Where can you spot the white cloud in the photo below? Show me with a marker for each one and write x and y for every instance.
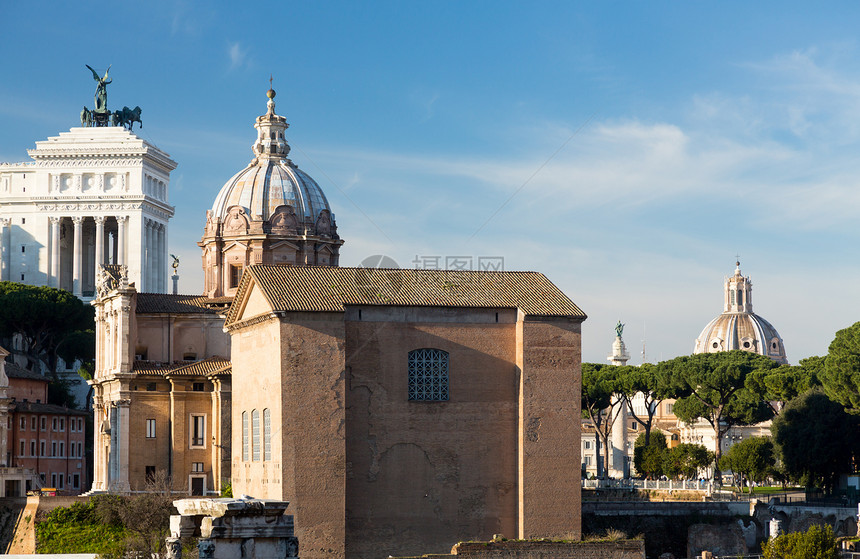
(238, 55)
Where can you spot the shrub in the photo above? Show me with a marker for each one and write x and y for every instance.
(816, 543)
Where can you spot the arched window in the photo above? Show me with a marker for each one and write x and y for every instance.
(267, 434)
(255, 435)
(428, 375)
(245, 436)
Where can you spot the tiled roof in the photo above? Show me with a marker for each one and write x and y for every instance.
(33, 407)
(326, 288)
(14, 371)
(208, 366)
(177, 304)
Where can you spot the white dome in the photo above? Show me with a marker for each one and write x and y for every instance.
(740, 328)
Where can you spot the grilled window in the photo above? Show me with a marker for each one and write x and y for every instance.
(428, 375)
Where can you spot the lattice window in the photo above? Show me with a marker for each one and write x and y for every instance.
(245, 436)
(255, 435)
(428, 375)
(267, 434)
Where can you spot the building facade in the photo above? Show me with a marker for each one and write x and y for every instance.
(161, 389)
(401, 411)
(90, 197)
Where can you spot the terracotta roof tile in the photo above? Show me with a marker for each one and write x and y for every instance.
(208, 366)
(326, 288)
(177, 304)
(34, 407)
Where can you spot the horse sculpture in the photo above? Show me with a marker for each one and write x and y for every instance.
(86, 117)
(127, 117)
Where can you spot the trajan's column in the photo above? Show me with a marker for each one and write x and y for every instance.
(95, 195)
(618, 464)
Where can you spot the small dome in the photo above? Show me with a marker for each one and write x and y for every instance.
(740, 328)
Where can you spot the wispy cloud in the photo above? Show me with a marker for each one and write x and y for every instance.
(238, 55)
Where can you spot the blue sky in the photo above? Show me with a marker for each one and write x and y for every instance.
(628, 150)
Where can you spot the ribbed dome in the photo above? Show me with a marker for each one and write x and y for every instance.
(740, 328)
(266, 184)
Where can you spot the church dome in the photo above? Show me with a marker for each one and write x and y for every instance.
(265, 185)
(270, 212)
(271, 180)
(738, 327)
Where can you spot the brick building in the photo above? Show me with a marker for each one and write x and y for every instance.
(401, 411)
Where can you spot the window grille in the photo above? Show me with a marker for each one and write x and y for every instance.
(428, 375)
(245, 436)
(267, 434)
(150, 428)
(255, 433)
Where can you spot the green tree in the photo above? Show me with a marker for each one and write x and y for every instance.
(816, 440)
(599, 384)
(841, 377)
(816, 543)
(50, 324)
(642, 380)
(713, 387)
(786, 382)
(649, 457)
(685, 460)
(752, 459)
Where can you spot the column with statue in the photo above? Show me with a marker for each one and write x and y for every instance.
(617, 461)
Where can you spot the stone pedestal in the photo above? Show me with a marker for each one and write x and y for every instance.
(231, 528)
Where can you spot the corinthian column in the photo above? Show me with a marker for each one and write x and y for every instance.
(55, 252)
(77, 256)
(5, 233)
(122, 222)
(100, 242)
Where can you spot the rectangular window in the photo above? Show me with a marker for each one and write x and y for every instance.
(42, 449)
(428, 375)
(23, 423)
(235, 275)
(54, 424)
(62, 424)
(62, 449)
(42, 477)
(198, 431)
(255, 435)
(23, 445)
(150, 474)
(588, 460)
(150, 428)
(245, 436)
(71, 450)
(587, 445)
(80, 450)
(33, 423)
(53, 480)
(197, 387)
(267, 434)
(80, 424)
(197, 467)
(76, 480)
(53, 448)
(669, 408)
(32, 448)
(62, 479)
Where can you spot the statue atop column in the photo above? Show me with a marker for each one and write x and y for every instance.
(619, 329)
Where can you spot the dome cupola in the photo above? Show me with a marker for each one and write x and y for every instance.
(738, 327)
(270, 212)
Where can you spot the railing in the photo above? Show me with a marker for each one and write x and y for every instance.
(668, 485)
